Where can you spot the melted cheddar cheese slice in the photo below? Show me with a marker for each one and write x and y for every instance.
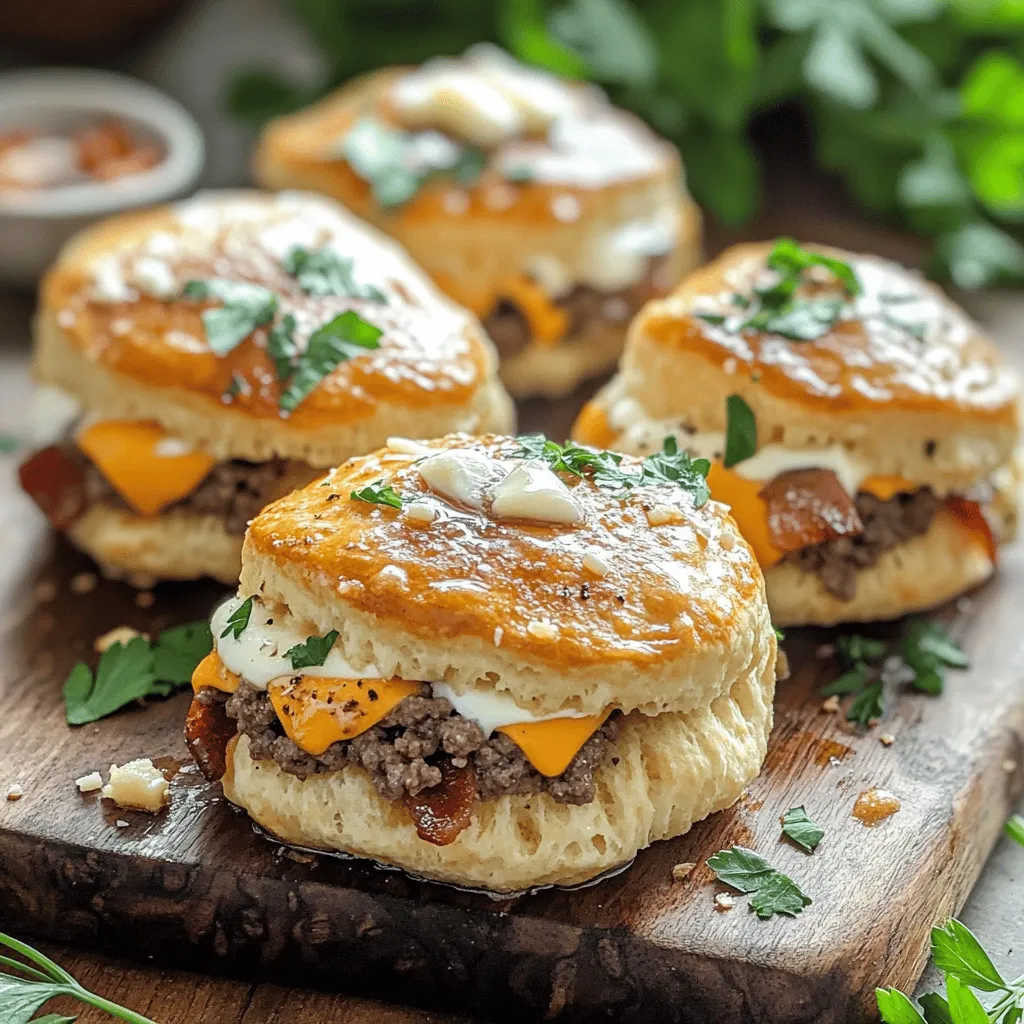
(748, 508)
(886, 487)
(211, 671)
(548, 322)
(551, 745)
(317, 711)
(127, 453)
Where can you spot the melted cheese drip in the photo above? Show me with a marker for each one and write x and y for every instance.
(551, 746)
(130, 455)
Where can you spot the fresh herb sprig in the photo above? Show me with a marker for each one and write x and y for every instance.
(325, 271)
(313, 652)
(1014, 828)
(740, 431)
(35, 979)
(771, 892)
(967, 969)
(131, 671)
(797, 825)
(245, 307)
(238, 620)
(604, 468)
(378, 493)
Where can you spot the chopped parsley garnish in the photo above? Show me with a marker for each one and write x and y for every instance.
(868, 706)
(928, 650)
(854, 648)
(245, 307)
(799, 827)
(1014, 828)
(238, 619)
(8, 443)
(347, 335)
(375, 494)
(130, 671)
(281, 346)
(326, 272)
(852, 680)
(670, 465)
(397, 163)
(771, 892)
(313, 652)
(740, 431)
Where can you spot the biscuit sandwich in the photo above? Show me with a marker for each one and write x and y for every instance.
(861, 427)
(531, 200)
(495, 662)
(202, 359)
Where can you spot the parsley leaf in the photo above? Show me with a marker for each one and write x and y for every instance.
(798, 319)
(246, 307)
(740, 431)
(313, 652)
(928, 649)
(799, 827)
(896, 1008)
(958, 954)
(281, 346)
(671, 465)
(375, 494)
(772, 892)
(851, 681)
(867, 706)
(137, 669)
(854, 647)
(790, 260)
(326, 272)
(347, 335)
(238, 619)
(1014, 828)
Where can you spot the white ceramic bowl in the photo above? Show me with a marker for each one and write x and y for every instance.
(34, 224)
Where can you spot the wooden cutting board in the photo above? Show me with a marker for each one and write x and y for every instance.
(197, 886)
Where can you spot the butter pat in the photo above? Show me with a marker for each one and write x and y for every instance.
(89, 783)
(533, 491)
(462, 474)
(137, 784)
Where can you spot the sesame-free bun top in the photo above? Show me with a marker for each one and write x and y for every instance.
(672, 615)
(905, 380)
(564, 184)
(116, 331)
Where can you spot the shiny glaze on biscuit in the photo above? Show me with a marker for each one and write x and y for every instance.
(864, 363)
(671, 589)
(305, 141)
(429, 355)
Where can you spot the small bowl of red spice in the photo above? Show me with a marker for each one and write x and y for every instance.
(77, 145)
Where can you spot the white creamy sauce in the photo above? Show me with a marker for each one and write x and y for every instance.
(773, 459)
(494, 709)
(258, 655)
(172, 447)
(50, 415)
(533, 491)
(462, 474)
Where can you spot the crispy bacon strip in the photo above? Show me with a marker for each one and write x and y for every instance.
(442, 812)
(207, 732)
(971, 516)
(56, 482)
(808, 506)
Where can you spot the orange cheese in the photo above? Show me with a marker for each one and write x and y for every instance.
(549, 746)
(211, 671)
(748, 509)
(125, 452)
(592, 427)
(548, 322)
(318, 711)
(886, 487)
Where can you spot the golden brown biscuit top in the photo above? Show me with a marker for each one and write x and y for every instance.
(641, 577)
(117, 295)
(901, 343)
(553, 165)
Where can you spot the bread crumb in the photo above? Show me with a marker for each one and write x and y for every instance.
(824, 651)
(781, 665)
(594, 561)
(138, 784)
(1009, 766)
(15, 791)
(724, 901)
(680, 871)
(45, 590)
(727, 540)
(542, 629)
(117, 635)
(498, 634)
(145, 599)
(420, 512)
(121, 823)
(659, 515)
(89, 783)
(831, 705)
(83, 582)
(887, 739)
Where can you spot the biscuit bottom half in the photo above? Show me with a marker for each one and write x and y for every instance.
(663, 774)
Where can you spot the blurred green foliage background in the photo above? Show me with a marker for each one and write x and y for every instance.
(918, 105)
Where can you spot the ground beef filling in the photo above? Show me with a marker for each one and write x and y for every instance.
(234, 491)
(401, 754)
(887, 524)
(510, 331)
